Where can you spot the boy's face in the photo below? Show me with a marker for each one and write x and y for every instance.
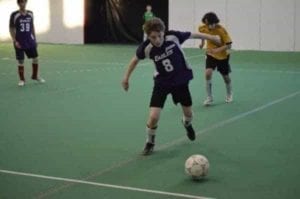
(148, 8)
(156, 38)
(22, 4)
(210, 26)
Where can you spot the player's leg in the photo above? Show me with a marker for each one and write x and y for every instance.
(21, 69)
(224, 69)
(151, 129)
(187, 122)
(157, 102)
(229, 96)
(210, 66)
(21, 72)
(208, 84)
(33, 54)
(182, 95)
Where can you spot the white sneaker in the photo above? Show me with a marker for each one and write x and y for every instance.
(21, 83)
(208, 101)
(40, 80)
(229, 98)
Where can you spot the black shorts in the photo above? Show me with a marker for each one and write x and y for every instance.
(30, 53)
(180, 94)
(222, 65)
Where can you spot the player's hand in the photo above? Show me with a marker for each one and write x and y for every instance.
(125, 84)
(17, 44)
(201, 45)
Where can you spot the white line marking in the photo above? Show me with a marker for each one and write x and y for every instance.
(103, 185)
(175, 142)
(232, 119)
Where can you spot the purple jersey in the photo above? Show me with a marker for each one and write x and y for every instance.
(23, 23)
(170, 64)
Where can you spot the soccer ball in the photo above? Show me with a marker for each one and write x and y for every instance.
(197, 166)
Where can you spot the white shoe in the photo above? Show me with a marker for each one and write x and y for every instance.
(208, 101)
(21, 83)
(40, 80)
(229, 98)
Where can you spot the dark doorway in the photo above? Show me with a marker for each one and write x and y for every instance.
(119, 21)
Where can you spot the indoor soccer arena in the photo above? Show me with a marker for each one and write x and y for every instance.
(149, 99)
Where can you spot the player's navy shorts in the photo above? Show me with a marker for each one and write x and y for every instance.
(180, 94)
(30, 53)
(222, 66)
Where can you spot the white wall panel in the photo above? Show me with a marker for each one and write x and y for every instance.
(58, 32)
(297, 25)
(277, 25)
(243, 19)
(272, 25)
(181, 17)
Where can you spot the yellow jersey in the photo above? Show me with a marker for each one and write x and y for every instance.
(225, 40)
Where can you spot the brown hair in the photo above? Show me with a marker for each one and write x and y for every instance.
(154, 25)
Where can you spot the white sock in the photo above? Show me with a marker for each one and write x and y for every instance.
(151, 134)
(187, 121)
(209, 88)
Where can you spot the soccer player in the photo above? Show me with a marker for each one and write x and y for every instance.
(217, 56)
(172, 74)
(148, 15)
(23, 35)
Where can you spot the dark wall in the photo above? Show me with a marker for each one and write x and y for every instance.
(119, 21)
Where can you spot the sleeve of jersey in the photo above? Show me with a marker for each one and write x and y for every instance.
(11, 21)
(140, 52)
(202, 29)
(182, 36)
(225, 37)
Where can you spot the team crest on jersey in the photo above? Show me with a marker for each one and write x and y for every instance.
(27, 20)
(168, 52)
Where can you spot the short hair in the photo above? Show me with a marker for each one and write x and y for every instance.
(154, 25)
(19, 1)
(210, 18)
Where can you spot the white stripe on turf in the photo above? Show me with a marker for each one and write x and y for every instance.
(103, 185)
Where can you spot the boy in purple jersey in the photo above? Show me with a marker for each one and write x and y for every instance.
(172, 74)
(22, 32)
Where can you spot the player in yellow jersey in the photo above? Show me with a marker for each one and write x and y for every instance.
(217, 56)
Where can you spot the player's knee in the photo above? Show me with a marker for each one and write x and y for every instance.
(153, 120)
(208, 74)
(35, 60)
(21, 62)
(188, 114)
(227, 79)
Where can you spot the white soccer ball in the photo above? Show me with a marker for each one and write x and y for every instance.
(197, 166)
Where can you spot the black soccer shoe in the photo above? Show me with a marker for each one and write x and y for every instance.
(148, 148)
(190, 132)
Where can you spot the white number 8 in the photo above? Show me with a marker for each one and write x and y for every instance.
(168, 66)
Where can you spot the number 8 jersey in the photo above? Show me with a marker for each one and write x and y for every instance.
(171, 66)
(23, 23)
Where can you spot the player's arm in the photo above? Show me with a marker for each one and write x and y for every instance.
(33, 28)
(130, 68)
(220, 49)
(214, 38)
(12, 28)
(201, 45)
(12, 31)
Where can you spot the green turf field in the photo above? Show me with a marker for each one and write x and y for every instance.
(81, 125)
